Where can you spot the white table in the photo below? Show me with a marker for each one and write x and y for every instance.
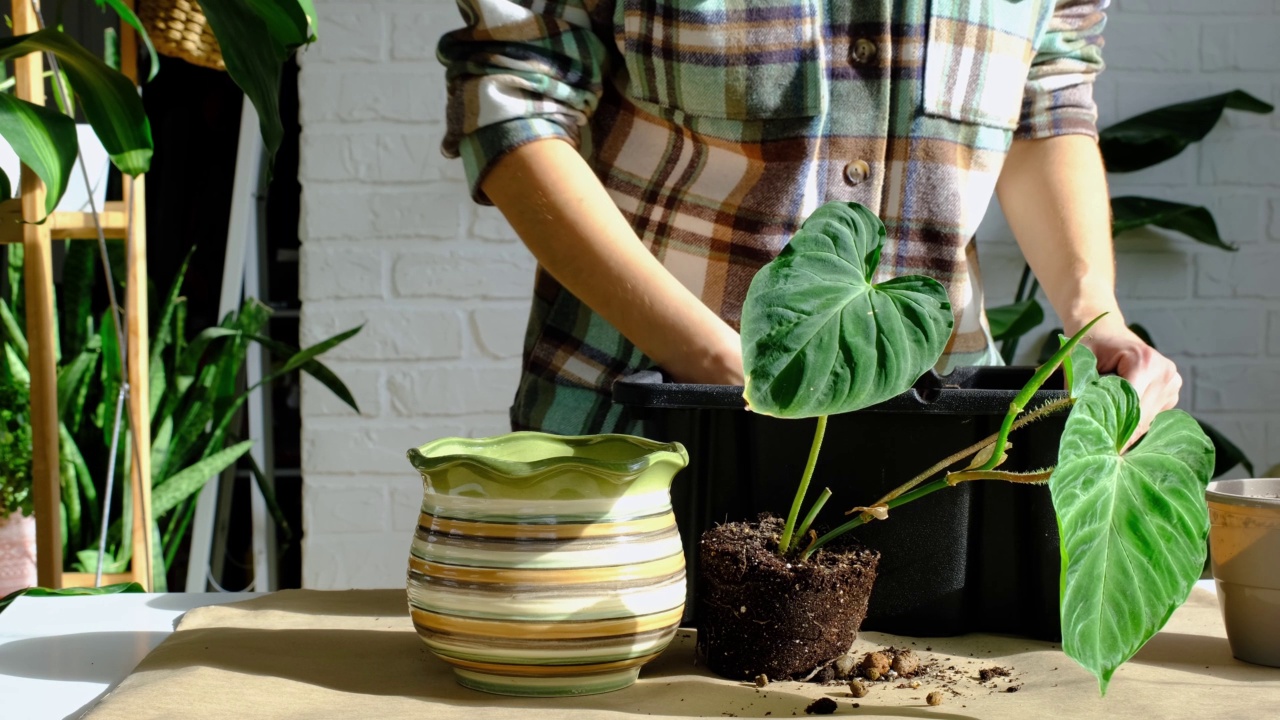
(60, 654)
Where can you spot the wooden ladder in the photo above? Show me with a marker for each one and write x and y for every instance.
(38, 277)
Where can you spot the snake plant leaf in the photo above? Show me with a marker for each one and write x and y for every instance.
(45, 141)
(127, 15)
(130, 587)
(312, 367)
(1014, 320)
(167, 493)
(110, 100)
(818, 337)
(1133, 526)
(257, 37)
(1153, 137)
(1194, 221)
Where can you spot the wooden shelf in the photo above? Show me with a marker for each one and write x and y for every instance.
(66, 225)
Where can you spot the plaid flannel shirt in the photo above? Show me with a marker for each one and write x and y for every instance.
(718, 125)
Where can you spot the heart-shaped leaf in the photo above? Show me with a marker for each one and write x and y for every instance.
(1080, 368)
(818, 338)
(1133, 525)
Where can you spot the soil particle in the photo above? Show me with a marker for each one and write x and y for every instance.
(1013, 688)
(857, 688)
(845, 665)
(821, 706)
(877, 662)
(905, 663)
(825, 675)
(762, 680)
(985, 674)
(934, 698)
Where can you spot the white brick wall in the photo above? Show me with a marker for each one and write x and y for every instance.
(391, 239)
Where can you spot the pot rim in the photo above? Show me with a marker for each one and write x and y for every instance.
(654, 453)
(1214, 492)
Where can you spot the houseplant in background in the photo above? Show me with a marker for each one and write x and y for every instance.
(819, 338)
(17, 527)
(195, 399)
(547, 565)
(1130, 145)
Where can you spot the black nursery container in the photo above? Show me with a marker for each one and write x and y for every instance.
(978, 557)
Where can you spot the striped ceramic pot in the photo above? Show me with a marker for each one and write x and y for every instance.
(547, 565)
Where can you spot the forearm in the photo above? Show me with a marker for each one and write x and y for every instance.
(565, 217)
(1054, 195)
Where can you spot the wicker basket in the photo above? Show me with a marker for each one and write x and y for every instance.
(178, 29)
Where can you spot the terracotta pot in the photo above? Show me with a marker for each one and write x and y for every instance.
(17, 553)
(1244, 541)
(546, 565)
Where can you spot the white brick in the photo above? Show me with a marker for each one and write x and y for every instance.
(438, 211)
(452, 390)
(1238, 387)
(1273, 333)
(500, 330)
(1139, 95)
(372, 448)
(345, 508)
(1242, 45)
(331, 157)
(1239, 218)
(347, 561)
(1148, 43)
(405, 334)
(465, 274)
(1177, 171)
(414, 34)
(347, 273)
(1251, 159)
(1274, 226)
(1246, 432)
(1269, 464)
(1198, 332)
(491, 225)
(365, 384)
(374, 157)
(406, 504)
(1152, 276)
(354, 34)
(409, 95)
(1240, 274)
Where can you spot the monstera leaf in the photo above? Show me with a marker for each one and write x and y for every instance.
(1133, 525)
(819, 338)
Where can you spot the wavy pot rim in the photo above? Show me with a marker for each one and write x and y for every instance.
(1216, 492)
(654, 453)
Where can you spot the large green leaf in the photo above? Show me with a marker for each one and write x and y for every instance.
(166, 494)
(1080, 368)
(110, 100)
(1197, 223)
(131, 587)
(1156, 136)
(257, 37)
(819, 338)
(1133, 525)
(1014, 320)
(45, 141)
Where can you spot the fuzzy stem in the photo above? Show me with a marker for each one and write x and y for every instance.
(813, 512)
(1033, 478)
(1029, 390)
(784, 543)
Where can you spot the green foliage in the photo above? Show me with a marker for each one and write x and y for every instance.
(130, 587)
(44, 139)
(1133, 525)
(1014, 320)
(818, 337)
(1153, 137)
(15, 449)
(1129, 213)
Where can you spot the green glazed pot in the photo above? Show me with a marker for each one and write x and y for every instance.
(547, 565)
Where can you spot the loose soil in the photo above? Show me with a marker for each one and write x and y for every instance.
(761, 613)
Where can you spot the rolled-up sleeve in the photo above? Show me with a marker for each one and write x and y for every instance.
(1058, 99)
(520, 70)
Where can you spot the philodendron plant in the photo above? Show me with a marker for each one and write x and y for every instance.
(820, 338)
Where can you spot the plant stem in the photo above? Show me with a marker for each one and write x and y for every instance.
(1033, 478)
(813, 512)
(1022, 283)
(1029, 390)
(784, 543)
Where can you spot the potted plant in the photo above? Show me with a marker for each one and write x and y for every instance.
(1244, 538)
(17, 527)
(820, 338)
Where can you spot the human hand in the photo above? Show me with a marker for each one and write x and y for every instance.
(1153, 376)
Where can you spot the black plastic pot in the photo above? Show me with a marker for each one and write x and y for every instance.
(978, 557)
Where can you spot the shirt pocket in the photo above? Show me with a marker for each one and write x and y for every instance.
(977, 56)
(733, 59)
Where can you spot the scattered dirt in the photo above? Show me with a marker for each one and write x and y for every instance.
(762, 613)
(905, 663)
(845, 665)
(934, 698)
(821, 706)
(857, 688)
(986, 674)
(762, 680)
(876, 664)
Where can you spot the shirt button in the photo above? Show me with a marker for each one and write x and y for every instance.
(864, 51)
(857, 171)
